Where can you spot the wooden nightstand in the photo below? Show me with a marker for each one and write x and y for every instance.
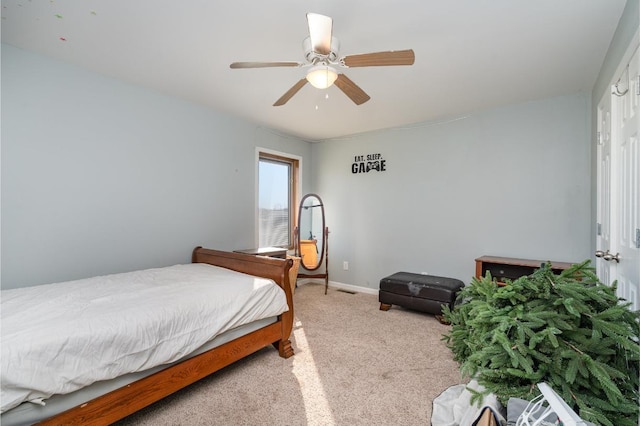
(502, 268)
(265, 251)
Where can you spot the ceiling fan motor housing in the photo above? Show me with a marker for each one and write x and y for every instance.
(314, 57)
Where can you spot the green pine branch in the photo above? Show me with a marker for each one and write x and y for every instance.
(566, 329)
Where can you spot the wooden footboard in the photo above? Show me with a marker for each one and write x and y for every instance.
(127, 400)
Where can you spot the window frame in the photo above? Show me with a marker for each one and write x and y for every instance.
(294, 194)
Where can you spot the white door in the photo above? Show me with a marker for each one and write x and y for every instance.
(603, 226)
(626, 156)
(618, 242)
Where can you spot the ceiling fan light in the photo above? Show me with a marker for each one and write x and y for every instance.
(322, 76)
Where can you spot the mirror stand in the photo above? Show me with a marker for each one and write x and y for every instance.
(312, 248)
(326, 260)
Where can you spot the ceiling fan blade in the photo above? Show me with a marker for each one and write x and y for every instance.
(320, 28)
(393, 57)
(264, 64)
(352, 90)
(283, 100)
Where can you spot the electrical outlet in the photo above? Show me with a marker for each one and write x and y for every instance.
(345, 265)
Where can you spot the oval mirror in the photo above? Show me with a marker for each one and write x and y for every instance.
(311, 238)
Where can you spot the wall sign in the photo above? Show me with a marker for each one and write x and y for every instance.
(364, 164)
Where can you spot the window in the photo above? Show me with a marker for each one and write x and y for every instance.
(277, 199)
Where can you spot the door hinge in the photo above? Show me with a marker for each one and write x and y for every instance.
(637, 238)
(598, 229)
(599, 138)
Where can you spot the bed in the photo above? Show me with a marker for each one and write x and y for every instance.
(196, 346)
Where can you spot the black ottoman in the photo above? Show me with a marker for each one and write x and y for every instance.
(425, 293)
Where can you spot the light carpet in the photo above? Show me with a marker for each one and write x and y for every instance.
(353, 365)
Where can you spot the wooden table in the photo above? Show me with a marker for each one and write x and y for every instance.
(511, 268)
(278, 252)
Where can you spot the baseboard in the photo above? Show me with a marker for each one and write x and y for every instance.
(340, 286)
(354, 288)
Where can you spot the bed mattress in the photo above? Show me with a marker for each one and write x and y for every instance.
(59, 338)
(27, 414)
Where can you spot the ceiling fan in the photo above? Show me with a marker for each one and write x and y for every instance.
(321, 53)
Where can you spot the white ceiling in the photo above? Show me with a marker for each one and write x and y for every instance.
(470, 54)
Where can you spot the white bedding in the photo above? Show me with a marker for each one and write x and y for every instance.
(58, 338)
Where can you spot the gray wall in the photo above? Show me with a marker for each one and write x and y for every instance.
(623, 37)
(99, 176)
(517, 181)
(511, 181)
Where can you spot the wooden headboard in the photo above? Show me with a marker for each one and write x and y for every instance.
(261, 266)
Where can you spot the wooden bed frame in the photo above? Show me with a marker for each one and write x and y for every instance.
(127, 400)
